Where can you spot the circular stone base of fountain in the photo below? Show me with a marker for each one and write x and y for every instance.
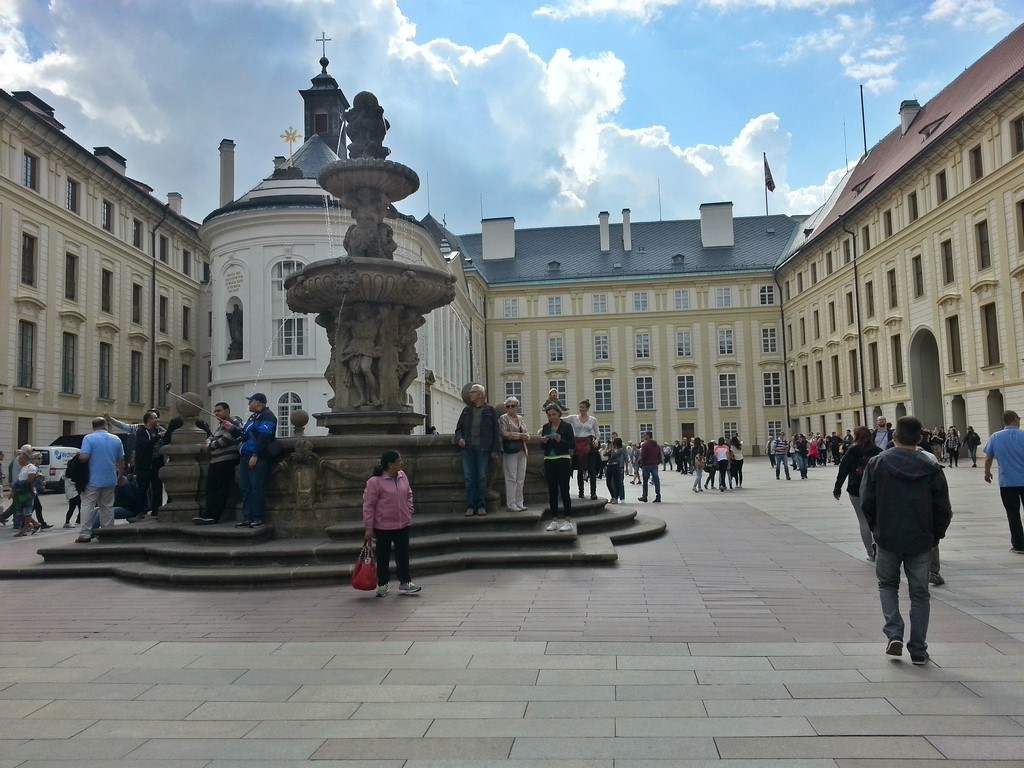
(369, 422)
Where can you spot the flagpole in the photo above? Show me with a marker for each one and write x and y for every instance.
(766, 201)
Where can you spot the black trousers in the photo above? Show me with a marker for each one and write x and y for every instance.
(557, 472)
(220, 482)
(587, 465)
(151, 490)
(385, 540)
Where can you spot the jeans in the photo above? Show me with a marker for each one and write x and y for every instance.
(475, 463)
(698, 474)
(616, 485)
(557, 472)
(120, 513)
(385, 540)
(254, 489)
(1012, 498)
(220, 479)
(801, 464)
(651, 473)
(972, 451)
(780, 461)
(887, 569)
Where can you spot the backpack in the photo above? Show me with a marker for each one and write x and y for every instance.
(77, 472)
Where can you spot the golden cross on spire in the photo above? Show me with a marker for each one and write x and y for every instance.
(290, 136)
(324, 39)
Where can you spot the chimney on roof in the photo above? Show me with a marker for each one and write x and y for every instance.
(227, 171)
(908, 111)
(716, 225)
(602, 221)
(174, 200)
(627, 232)
(111, 159)
(498, 237)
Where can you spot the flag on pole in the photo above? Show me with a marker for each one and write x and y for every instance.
(769, 182)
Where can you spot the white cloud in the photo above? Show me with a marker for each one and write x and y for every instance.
(963, 14)
(818, 6)
(815, 42)
(643, 10)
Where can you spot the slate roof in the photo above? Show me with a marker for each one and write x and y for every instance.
(953, 104)
(760, 242)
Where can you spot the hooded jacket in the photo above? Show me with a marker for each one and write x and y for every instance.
(905, 501)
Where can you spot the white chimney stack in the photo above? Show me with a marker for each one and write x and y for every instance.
(227, 172)
(908, 111)
(716, 225)
(627, 232)
(498, 238)
(174, 200)
(602, 220)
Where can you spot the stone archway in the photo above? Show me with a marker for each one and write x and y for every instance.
(926, 379)
(994, 407)
(958, 408)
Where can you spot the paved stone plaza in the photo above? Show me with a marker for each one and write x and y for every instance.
(750, 635)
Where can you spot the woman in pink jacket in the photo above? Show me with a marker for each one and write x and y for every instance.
(387, 516)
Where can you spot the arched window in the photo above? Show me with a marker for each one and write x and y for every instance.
(289, 328)
(287, 404)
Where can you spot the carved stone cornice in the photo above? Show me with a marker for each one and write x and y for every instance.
(984, 286)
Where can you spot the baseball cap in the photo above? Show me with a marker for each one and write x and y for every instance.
(259, 397)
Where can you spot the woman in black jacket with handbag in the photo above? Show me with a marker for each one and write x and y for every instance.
(851, 470)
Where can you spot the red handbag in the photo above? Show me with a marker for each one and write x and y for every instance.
(364, 573)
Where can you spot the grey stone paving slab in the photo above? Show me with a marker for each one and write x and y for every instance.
(225, 749)
(115, 710)
(702, 692)
(471, 648)
(763, 649)
(123, 763)
(266, 710)
(71, 749)
(533, 693)
(28, 674)
(447, 710)
(63, 648)
(860, 763)
(616, 649)
(523, 661)
(150, 676)
(715, 676)
(980, 747)
(411, 749)
(461, 677)
(300, 764)
(906, 671)
(420, 661)
(104, 660)
(874, 690)
(40, 729)
(1008, 706)
(615, 677)
(693, 662)
(787, 763)
(303, 676)
(104, 691)
(271, 661)
(890, 747)
(801, 707)
(13, 708)
(517, 727)
(200, 693)
(235, 650)
(373, 693)
(922, 725)
(713, 726)
(168, 729)
(599, 709)
(341, 729)
(618, 747)
(390, 648)
(605, 763)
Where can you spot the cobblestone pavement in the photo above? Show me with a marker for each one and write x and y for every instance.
(750, 635)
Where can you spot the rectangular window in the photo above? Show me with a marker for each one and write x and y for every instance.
(831, 317)
(814, 273)
(865, 238)
(556, 352)
(897, 359)
(836, 387)
(137, 233)
(70, 277)
(164, 309)
(514, 389)
(941, 187)
(291, 337)
(805, 374)
(165, 249)
(792, 387)
(644, 429)
(918, 270)
(26, 353)
(1017, 135)
(681, 300)
(873, 372)
(106, 291)
(72, 195)
(789, 293)
(136, 303)
(847, 252)
(107, 215)
(554, 306)
(956, 360)
(641, 301)
(601, 346)
(803, 332)
(849, 308)
(162, 372)
(766, 295)
(799, 282)
(869, 298)
(644, 393)
(511, 351)
(186, 325)
(772, 384)
(559, 386)
(981, 242)
(769, 342)
(686, 391)
(68, 362)
(186, 378)
(604, 433)
(684, 344)
(948, 271)
(643, 346)
(819, 374)
(817, 324)
(30, 172)
(135, 380)
(602, 395)
(599, 303)
(977, 167)
(186, 263)
(510, 308)
(725, 342)
(729, 428)
(887, 223)
(912, 210)
(723, 298)
(28, 260)
(828, 262)
(990, 333)
(894, 298)
(106, 360)
(728, 393)
(854, 373)
(774, 428)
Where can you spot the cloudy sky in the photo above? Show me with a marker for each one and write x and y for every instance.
(546, 110)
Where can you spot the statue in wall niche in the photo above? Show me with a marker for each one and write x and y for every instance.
(361, 350)
(235, 333)
(366, 127)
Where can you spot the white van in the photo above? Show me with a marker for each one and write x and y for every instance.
(53, 463)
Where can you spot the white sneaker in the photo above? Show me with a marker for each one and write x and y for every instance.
(522, 507)
(382, 591)
(565, 527)
(511, 509)
(408, 588)
(552, 526)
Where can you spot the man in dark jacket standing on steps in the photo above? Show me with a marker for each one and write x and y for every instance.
(906, 502)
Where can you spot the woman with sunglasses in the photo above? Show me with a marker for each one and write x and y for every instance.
(514, 437)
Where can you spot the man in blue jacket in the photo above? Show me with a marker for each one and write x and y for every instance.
(905, 500)
(254, 461)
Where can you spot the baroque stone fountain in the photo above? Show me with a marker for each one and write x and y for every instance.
(370, 305)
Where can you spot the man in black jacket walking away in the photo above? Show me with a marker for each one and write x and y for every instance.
(905, 499)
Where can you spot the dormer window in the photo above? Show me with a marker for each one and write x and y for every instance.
(320, 123)
(554, 266)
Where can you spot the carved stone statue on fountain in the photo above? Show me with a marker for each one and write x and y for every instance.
(370, 305)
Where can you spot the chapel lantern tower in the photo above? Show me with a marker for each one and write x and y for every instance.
(324, 107)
